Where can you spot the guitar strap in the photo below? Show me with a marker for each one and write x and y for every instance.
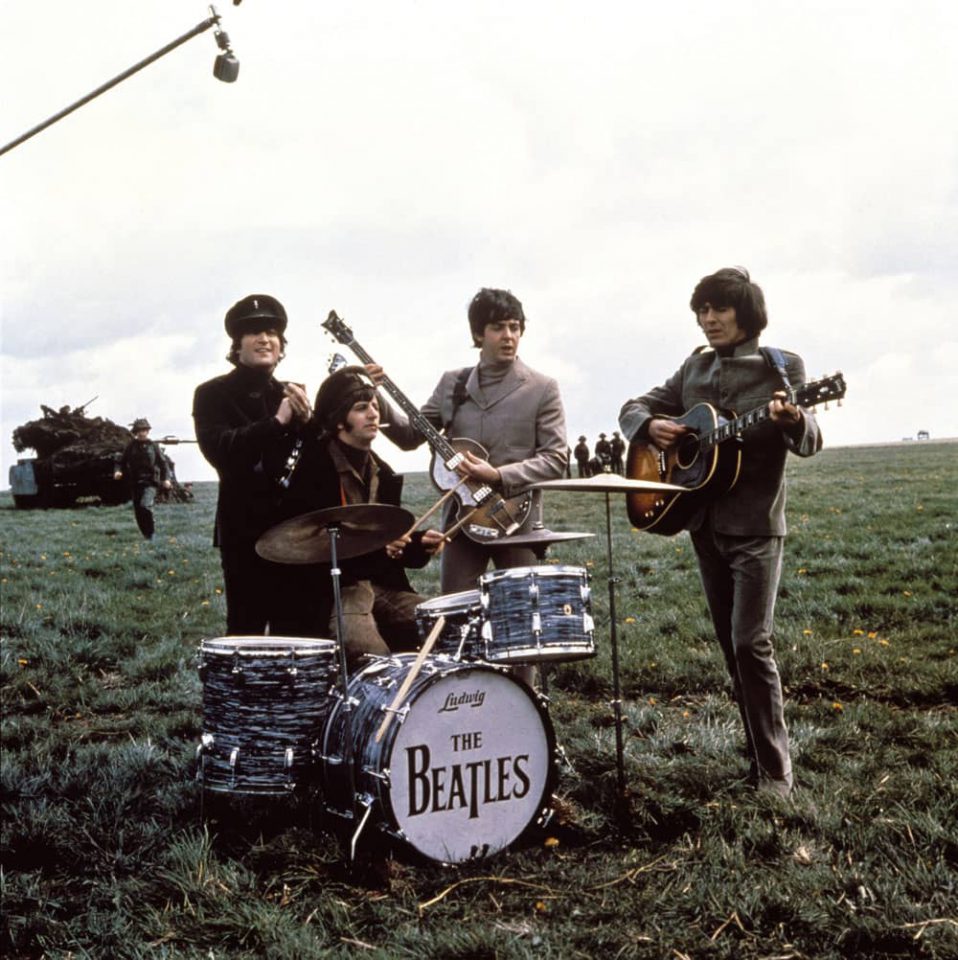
(776, 360)
(459, 395)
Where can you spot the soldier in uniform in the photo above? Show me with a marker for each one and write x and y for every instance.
(582, 457)
(603, 453)
(617, 445)
(143, 465)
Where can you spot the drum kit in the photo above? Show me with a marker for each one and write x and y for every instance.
(446, 751)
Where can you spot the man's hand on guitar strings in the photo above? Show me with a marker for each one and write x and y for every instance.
(477, 469)
(665, 433)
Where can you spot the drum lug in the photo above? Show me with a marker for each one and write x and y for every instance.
(588, 624)
(381, 775)
(234, 760)
(536, 623)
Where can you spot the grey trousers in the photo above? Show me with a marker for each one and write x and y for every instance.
(741, 576)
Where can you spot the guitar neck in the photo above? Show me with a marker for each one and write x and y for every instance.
(732, 428)
(433, 437)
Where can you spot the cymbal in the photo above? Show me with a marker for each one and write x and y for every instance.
(363, 527)
(606, 483)
(540, 537)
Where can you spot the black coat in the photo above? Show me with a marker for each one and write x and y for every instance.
(239, 435)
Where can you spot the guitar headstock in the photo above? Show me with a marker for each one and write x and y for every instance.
(821, 391)
(338, 328)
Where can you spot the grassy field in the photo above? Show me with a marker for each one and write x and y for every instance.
(109, 849)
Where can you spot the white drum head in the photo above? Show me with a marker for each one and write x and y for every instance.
(470, 767)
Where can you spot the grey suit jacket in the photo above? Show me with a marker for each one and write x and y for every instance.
(520, 421)
(755, 506)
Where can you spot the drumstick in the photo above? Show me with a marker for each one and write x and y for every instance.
(434, 507)
(413, 673)
(455, 528)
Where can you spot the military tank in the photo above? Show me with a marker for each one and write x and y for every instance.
(76, 457)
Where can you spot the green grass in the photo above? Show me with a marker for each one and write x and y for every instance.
(109, 849)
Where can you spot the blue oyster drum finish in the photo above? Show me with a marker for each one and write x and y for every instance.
(465, 765)
(460, 637)
(537, 614)
(265, 700)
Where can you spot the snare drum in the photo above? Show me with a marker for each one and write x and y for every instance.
(460, 636)
(465, 765)
(537, 614)
(264, 703)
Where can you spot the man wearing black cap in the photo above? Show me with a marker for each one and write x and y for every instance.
(144, 467)
(337, 467)
(246, 423)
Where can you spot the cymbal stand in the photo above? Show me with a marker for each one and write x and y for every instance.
(614, 637)
(335, 573)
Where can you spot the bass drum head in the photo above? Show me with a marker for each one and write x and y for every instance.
(464, 767)
(471, 766)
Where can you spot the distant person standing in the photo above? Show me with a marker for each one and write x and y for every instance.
(603, 453)
(582, 457)
(247, 423)
(617, 447)
(143, 465)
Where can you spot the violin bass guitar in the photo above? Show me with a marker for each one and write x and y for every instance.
(484, 514)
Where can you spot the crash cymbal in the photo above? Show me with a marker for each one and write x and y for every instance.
(605, 483)
(538, 537)
(363, 527)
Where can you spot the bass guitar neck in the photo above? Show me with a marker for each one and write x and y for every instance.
(490, 515)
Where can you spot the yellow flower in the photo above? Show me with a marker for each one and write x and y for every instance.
(630, 619)
(802, 571)
(857, 651)
(205, 603)
(837, 707)
(906, 593)
(858, 633)
(824, 665)
(807, 633)
(541, 907)
(872, 634)
(883, 643)
(171, 573)
(652, 701)
(218, 590)
(551, 842)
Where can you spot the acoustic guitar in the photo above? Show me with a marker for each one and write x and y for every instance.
(492, 516)
(706, 460)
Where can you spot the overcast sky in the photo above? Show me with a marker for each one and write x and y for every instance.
(388, 159)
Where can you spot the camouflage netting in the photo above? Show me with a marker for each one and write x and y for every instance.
(65, 428)
(74, 447)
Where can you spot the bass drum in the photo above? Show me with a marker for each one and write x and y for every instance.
(465, 765)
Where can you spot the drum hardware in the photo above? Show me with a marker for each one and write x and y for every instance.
(410, 677)
(460, 637)
(607, 483)
(539, 539)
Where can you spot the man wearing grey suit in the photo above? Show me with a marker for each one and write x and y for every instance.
(738, 538)
(513, 411)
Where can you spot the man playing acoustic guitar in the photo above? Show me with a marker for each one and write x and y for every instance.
(513, 411)
(738, 536)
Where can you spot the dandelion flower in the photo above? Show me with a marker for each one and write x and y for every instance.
(551, 842)
(807, 633)
(824, 665)
(858, 633)
(857, 651)
(837, 707)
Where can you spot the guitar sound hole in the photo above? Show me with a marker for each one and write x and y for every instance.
(688, 451)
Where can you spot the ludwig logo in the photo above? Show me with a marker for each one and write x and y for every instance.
(456, 700)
